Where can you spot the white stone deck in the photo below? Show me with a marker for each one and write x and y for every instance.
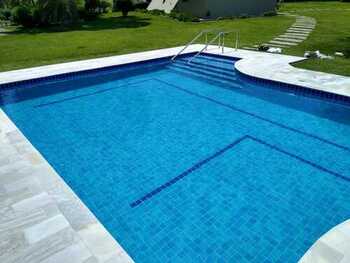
(42, 220)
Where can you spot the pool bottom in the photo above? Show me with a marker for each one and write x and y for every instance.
(266, 198)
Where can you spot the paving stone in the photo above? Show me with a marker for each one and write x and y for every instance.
(45, 229)
(283, 43)
(288, 39)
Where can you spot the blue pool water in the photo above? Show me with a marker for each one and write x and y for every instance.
(193, 163)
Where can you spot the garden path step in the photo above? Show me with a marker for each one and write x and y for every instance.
(297, 33)
(283, 43)
(289, 39)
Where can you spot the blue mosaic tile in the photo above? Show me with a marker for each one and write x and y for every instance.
(220, 170)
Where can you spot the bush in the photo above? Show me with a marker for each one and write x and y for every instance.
(125, 6)
(54, 12)
(184, 17)
(94, 8)
(104, 6)
(270, 13)
(22, 15)
(347, 53)
(156, 12)
(263, 48)
(5, 14)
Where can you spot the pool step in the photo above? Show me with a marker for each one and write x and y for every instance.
(212, 60)
(211, 67)
(230, 82)
(206, 72)
(214, 81)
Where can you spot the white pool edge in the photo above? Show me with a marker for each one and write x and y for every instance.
(36, 198)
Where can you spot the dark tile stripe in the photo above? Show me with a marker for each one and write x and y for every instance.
(222, 151)
(256, 116)
(321, 168)
(186, 173)
(90, 94)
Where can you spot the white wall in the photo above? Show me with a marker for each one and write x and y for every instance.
(222, 8)
(197, 8)
(166, 5)
(217, 8)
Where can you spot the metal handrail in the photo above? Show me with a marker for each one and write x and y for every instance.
(194, 40)
(229, 32)
(218, 36)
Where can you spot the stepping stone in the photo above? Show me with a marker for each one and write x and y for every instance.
(298, 31)
(283, 43)
(303, 27)
(297, 34)
(289, 39)
(275, 45)
(293, 36)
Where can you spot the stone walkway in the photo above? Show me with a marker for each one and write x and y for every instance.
(294, 35)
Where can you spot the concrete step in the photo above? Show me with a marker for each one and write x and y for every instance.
(302, 38)
(298, 31)
(283, 43)
(288, 40)
(303, 27)
(300, 35)
(275, 45)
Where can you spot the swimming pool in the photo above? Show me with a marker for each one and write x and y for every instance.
(193, 163)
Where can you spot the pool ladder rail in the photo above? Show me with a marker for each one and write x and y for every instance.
(219, 36)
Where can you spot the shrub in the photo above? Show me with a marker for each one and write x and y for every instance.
(57, 11)
(124, 6)
(22, 15)
(347, 53)
(184, 17)
(5, 14)
(270, 13)
(156, 12)
(93, 8)
(263, 48)
(104, 6)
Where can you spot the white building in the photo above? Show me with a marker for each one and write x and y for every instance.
(215, 8)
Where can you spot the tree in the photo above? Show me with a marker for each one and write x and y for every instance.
(57, 11)
(123, 5)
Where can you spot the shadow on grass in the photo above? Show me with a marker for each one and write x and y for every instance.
(102, 23)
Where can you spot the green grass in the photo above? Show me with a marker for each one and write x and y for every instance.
(332, 34)
(113, 35)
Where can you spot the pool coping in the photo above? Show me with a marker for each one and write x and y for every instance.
(270, 67)
(39, 208)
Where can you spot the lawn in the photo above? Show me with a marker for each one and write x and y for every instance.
(332, 34)
(113, 35)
